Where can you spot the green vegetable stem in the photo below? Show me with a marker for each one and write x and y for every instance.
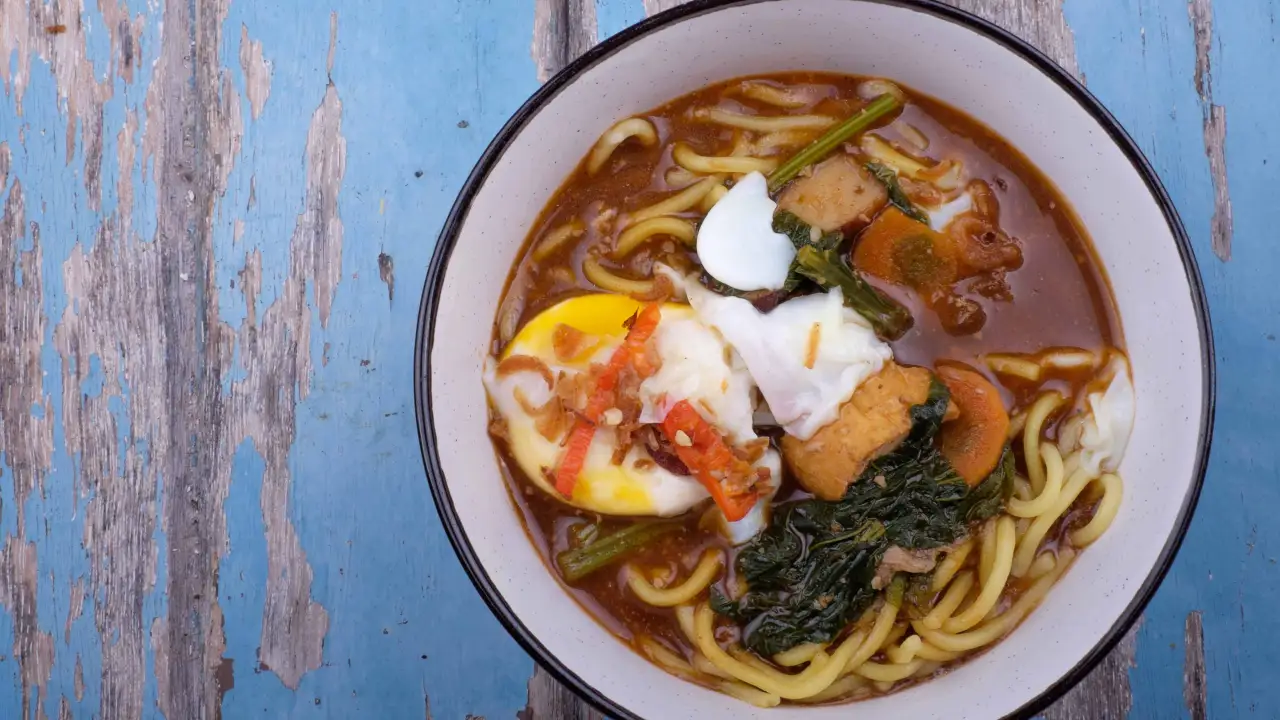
(825, 267)
(577, 563)
(831, 139)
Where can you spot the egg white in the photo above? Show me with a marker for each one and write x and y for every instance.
(697, 366)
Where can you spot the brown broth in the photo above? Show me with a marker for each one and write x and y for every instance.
(1060, 298)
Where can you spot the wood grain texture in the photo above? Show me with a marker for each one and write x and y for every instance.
(1193, 673)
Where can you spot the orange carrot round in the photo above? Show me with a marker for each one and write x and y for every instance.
(974, 441)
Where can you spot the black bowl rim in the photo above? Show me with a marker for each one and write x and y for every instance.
(493, 153)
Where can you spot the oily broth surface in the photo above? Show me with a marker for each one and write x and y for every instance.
(1061, 298)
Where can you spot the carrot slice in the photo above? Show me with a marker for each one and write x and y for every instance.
(974, 441)
(903, 251)
(584, 430)
(710, 459)
(575, 455)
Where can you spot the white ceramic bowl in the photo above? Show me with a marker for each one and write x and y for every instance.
(961, 60)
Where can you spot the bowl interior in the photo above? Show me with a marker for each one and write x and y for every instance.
(956, 64)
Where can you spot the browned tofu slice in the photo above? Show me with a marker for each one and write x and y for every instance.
(871, 423)
(838, 192)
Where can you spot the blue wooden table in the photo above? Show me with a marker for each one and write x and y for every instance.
(216, 222)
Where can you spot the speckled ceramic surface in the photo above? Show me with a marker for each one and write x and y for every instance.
(960, 62)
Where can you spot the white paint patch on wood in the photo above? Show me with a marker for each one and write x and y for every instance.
(1221, 228)
(562, 30)
(26, 437)
(1039, 22)
(257, 72)
(549, 700)
(277, 359)
(32, 646)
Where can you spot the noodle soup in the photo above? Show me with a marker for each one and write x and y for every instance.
(809, 387)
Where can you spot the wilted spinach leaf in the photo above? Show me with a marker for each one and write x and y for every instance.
(989, 496)
(809, 574)
(897, 197)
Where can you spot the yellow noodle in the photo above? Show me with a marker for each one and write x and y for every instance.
(1048, 493)
(1044, 563)
(764, 123)
(876, 638)
(711, 198)
(882, 687)
(677, 203)
(706, 667)
(1017, 422)
(912, 135)
(1069, 359)
(882, 151)
(685, 617)
(951, 565)
(769, 143)
(896, 632)
(555, 239)
(638, 128)
(658, 653)
(987, 553)
(905, 651)
(994, 584)
(882, 672)
(822, 671)
(678, 178)
(1022, 488)
(947, 175)
(748, 694)
(1112, 493)
(799, 654)
(875, 87)
(844, 686)
(784, 97)
(1026, 552)
(1014, 365)
(933, 653)
(690, 160)
(1040, 410)
(993, 630)
(951, 599)
(1023, 525)
(746, 657)
(631, 238)
(702, 575)
(606, 280)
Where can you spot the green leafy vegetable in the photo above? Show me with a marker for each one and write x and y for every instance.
(577, 563)
(809, 574)
(831, 139)
(802, 235)
(825, 267)
(917, 600)
(989, 496)
(897, 197)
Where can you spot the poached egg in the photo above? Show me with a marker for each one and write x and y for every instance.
(808, 355)
(736, 241)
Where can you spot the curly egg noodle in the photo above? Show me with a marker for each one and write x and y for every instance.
(605, 236)
(966, 614)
